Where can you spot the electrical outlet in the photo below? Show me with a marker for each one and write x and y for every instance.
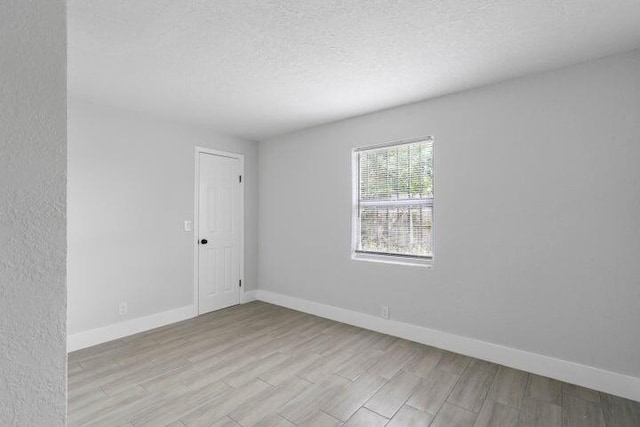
(122, 308)
(188, 225)
(384, 312)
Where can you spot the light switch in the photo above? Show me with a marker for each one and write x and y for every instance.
(188, 225)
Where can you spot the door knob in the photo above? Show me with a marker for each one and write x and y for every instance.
(204, 241)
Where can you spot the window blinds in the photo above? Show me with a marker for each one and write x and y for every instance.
(395, 199)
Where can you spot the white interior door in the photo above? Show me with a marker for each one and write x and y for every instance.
(219, 223)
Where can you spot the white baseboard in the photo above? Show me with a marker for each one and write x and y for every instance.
(248, 296)
(107, 333)
(574, 373)
(96, 336)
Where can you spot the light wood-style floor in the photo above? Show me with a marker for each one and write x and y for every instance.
(259, 364)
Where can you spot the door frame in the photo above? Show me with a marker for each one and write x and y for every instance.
(196, 222)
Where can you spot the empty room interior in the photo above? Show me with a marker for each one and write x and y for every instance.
(320, 213)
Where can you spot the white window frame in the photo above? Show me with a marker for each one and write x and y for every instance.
(355, 224)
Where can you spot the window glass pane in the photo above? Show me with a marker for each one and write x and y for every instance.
(403, 230)
(395, 199)
(399, 172)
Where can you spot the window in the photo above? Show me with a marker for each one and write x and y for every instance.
(393, 202)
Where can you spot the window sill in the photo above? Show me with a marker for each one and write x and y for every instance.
(390, 259)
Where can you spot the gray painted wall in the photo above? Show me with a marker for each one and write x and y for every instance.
(32, 213)
(537, 215)
(130, 189)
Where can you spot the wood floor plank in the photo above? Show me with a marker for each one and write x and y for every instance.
(492, 368)
(366, 418)
(320, 419)
(73, 368)
(383, 343)
(314, 397)
(92, 380)
(317, 325)
(289, 368)
(620, 412)
(122, 412)
(361, 342)
(327, 365)
(149, 351)
(274, 344)
(95, 371)
(77, 402)
(143, 374)
(317, 344)
(544, 389)
(275, 420)
(200, 378)
(453, 363)
(537, 413)
(359, 364)
(424, 362)
(581, 392)
(471, 389)
(224, 422)
(180, 352)
(105, 406)
(393, 394)
(255, 369)
(174, 409)
(395, 358)
(224, 405)
(250, 346)
(432, 391)
(452, 416)
(348, 400)
(212, 352)
(167, 379)
(578, 412)
(494, 414)
(268, 402)
(508, 387)
(409, 416)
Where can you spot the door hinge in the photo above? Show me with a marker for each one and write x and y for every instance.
(240, 283)
(240, 178)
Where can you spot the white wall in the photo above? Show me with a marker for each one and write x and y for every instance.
(537, 215)
(130, 189)
(32, 213)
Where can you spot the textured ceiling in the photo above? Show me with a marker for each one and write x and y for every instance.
(258, 68)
